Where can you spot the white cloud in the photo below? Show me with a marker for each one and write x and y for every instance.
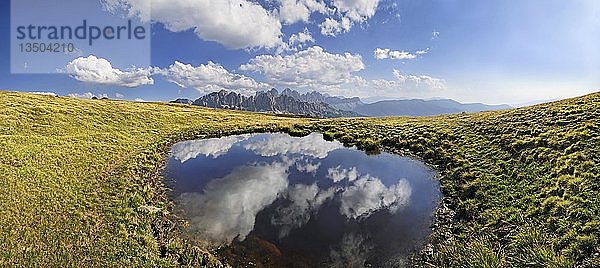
(348, 12)
(332, 27)
(282, 144)
(357, 10)
(407, 85)
(245, 24)
(357, 199)
(305, 200)
(205, 77)
(401, 55)
(369, 194)
(45, 93)
(422, 52)
(312, 67)
(87, 95)
(139, 100)
(419, 81)
(228, 206)
(119, 95)
(210, 77)
(234, 23)
(297, 41)
(381, 53)
(292, 11)
(338, 174)
(307, 166)
(100, 71)
(341, 15)
(316, 69)
(214, 147)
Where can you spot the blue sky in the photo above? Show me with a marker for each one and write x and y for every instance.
(472, 51)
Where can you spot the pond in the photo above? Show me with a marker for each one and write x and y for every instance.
(273, 200)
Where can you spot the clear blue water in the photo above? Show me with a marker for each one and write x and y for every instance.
(277, 200)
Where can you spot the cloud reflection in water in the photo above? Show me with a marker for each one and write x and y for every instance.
(288, 183)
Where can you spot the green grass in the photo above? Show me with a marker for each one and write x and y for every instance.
(524, 183)
(76, 175)
(79, 179)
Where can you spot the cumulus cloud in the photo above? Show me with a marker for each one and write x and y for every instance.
(348, 12)
(228, 206)
(100, 71)
(210, 77)
(86, 95)
(368, 194)
(332, 27)
(422, 52)
(401, 85)
(280, 144)
(357, 10)
(246, 24)
(305, 165)
(298, 40)
(312, 67)
(45, 93)
(316, 69)
(361, 196)
(305, 200)
(204, 78)
(381, 53)
(236, 24)
(419, 80)
(214, 147)
(340, 15)
(338, 174)
(292, 11)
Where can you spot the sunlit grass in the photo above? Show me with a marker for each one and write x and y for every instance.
(80, 179)
(77, 173)
(524, 183)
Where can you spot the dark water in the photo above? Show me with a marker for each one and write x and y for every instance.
(275, 200)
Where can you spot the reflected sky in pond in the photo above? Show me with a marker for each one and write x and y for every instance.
(305, 200)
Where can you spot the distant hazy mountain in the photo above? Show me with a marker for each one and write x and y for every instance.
(414, 107)
(418, 107)
(341, 103)
(270, 101)
(183, 101)
(323, 105)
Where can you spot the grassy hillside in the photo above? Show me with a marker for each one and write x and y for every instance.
(79, 178)
(80, 183)
(523, 185)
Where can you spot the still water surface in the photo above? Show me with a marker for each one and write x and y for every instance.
(275, 200)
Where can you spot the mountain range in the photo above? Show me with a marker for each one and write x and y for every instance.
(271, 102)
(316, 104)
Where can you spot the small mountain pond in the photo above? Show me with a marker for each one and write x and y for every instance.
(272, 200)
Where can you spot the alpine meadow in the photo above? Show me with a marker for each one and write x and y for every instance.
(300, 133)
(82, 182)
